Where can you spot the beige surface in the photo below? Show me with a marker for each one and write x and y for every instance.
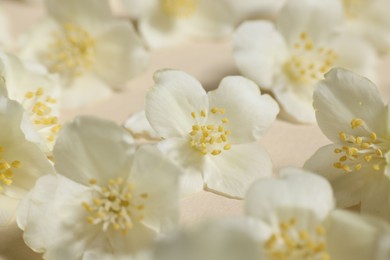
(288, 144)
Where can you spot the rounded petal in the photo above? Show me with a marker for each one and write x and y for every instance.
(296, 189)
(317, 18)
(169, 104)
(84, 91)
(120, 54)
(295, 100)
(343, 96)
(191, 162)
(250, 114)
(259, 51)
(355, 54)
(232, 172)
(359, 236)
(93, 148)
(347, 187)
(61, 197)
(160, 180)
(87, 11)
(11, 116)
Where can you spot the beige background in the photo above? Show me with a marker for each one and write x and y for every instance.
(288, 144)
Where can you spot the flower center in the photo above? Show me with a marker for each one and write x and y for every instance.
(293, 244)
(210, 138)
(72, 52)
(308, 63)
(179, 8)
(359, 151)
(353, 8)
(6, 170)
(115, 205)
(39, 107)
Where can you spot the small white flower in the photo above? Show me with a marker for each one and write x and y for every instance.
(168, 22)
(292, 56)
(106, 200)
(370, 19)
(21, 162)
(92, 51)
(351, 113)
(38, 92)
(293, 218)
(212, 135)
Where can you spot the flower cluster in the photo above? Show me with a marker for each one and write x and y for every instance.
(93, 189)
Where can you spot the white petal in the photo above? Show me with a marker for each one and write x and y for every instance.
(250, 114)
(7, 210)
(191, 162)
(351, 236)
(153, 173)
(139, 126)
(317, 18)
(296, 189)
(120, 54)
(233, 171)
(259, 51)
(347, 187)
(61, 197)
(11, 117)
(171, 101)
(375, 197)
(89, 11)
(93, 148)
(83, 91)
(355, 54)
(295, 100)
(343, 96)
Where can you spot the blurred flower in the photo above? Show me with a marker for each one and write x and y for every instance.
(90, 50)
(21, 161)
(291, 58)
(38, 91)
(226, 239)
(370, 19)
(212, 136)
(293, 218)
(107, 199)
(168, 22)
(138, 125)
(351, 113)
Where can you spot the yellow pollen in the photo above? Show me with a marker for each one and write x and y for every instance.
(72, 51)
(7, 169)
(179, 8)
(210, 138)
(115, 205)
(291, 243)
(308, 64)
(40, 110)
(360, 151)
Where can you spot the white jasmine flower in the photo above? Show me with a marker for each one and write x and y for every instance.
(351, 113)
(21, 162)
(106, 200)
(370, 19)
(212, 135)
(293, 218)
(38, 91)
(168, 22)
(90, 50)
(292, 56)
